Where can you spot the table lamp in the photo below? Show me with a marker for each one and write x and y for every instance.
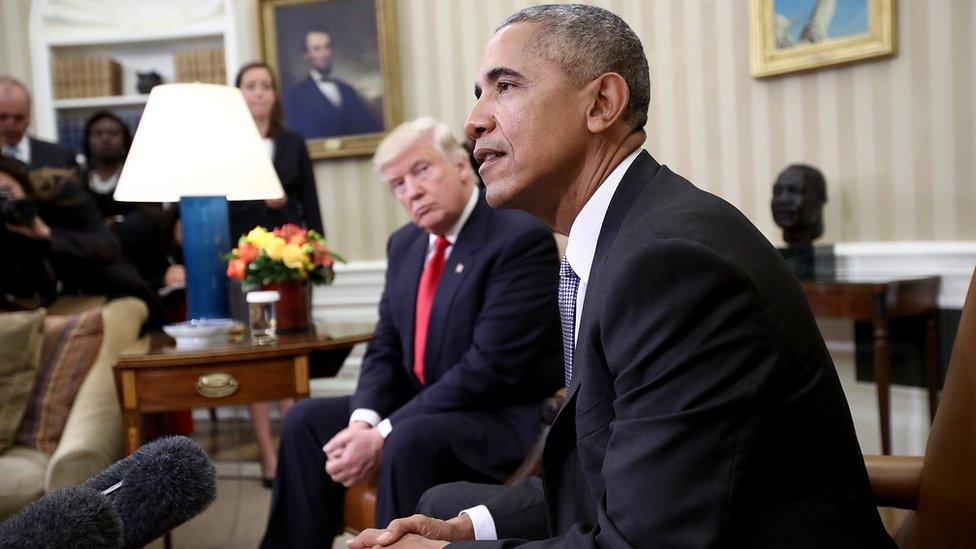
(198, 144)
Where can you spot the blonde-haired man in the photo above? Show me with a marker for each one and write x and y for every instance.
(466, 348)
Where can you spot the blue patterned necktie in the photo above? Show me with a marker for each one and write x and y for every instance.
(568, 286)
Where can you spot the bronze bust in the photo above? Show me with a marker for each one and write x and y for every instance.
(799, 195)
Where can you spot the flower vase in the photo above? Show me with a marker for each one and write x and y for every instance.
(294, 309)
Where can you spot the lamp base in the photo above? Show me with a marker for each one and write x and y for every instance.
(206, 238)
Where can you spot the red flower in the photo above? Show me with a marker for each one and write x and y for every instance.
(321, 255)
(247, 253)
(292, 233)
(235, 269)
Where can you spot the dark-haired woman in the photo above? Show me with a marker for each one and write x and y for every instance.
(299, 206)
(106, 144)
(289, 155)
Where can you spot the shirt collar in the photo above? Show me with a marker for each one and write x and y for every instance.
(585, 232)
(452, 234)
(318, 77)
(23, 149)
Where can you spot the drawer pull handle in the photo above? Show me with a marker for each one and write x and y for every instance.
(216, 385)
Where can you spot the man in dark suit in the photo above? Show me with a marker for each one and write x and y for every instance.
(322, 105)
(14, 141)
(702, 408)
(465, 351)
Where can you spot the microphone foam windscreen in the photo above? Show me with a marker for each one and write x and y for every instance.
(164, 483)
(72, 517)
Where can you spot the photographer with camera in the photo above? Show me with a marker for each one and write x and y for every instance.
(55, 242)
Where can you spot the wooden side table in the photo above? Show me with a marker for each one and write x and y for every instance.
(878, 301)
(165, 378)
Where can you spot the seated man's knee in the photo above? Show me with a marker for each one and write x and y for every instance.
(298, 416)
(441, 501)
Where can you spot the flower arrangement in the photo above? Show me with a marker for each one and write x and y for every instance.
(286, 254)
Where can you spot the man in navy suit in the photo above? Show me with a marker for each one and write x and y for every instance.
(702, 406)
(14, 141)
(322, 105)
(465, 351)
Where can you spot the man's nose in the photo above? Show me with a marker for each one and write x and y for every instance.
(479, 121)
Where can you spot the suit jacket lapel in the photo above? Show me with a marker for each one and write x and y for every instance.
(634, 182)
(471, 238)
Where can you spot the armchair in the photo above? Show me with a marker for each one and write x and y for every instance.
(941, 486)
(92, 436)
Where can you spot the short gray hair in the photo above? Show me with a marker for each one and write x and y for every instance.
(407, 134)
(588, 41)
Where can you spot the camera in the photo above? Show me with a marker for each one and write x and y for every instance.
(16, 211)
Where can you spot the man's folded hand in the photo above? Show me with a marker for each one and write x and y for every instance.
(416, 531)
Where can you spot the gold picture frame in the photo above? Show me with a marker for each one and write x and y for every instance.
(781, 44)
(362, 67)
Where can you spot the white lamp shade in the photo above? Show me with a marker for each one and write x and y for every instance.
(197, 140)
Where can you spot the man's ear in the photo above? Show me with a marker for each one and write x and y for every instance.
(609, 95)
(461, 166)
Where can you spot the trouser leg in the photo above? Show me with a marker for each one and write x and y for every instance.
(306, 506)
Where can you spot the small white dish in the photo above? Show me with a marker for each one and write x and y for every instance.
(200, 333)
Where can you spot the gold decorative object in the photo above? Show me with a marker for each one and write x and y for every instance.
(217, 385)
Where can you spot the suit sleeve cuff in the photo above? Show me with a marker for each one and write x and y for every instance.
(364, 414)
(484, 525)
(385, 427)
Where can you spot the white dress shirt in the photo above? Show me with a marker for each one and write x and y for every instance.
(580, 249)
(371, 416)
(328, 88)
(23, 150)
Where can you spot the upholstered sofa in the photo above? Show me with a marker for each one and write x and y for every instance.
(92, 436)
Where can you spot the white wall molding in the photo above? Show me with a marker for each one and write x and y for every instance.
(354, 296)
(952, 260)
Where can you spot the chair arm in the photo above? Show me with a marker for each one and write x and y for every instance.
(895, 480)
(93, 434)
(532, 464)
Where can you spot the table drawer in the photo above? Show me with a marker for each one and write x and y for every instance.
(161, 389)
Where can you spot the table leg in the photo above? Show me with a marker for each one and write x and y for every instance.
(931, 361)
(882, 376)
(133, 431)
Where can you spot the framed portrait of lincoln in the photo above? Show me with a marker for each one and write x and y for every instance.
(338, 72)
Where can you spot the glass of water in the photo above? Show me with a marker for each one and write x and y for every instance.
(261, 314)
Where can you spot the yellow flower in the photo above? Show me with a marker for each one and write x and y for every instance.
(272, 246)
(292, 256)
(257, 235)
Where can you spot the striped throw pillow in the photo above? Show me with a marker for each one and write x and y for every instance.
(70, 347)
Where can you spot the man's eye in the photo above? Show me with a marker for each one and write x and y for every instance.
(504, 86)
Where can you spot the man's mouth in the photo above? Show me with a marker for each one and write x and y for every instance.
(486, 157)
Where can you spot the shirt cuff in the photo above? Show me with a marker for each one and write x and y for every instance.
(385, 427)
(364, 414)
(484, 525)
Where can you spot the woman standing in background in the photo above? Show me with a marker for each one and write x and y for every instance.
(299, 206)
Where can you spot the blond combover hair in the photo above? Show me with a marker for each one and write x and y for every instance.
(407, 134)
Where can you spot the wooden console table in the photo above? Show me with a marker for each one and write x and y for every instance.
(878, 301)
(165, 378)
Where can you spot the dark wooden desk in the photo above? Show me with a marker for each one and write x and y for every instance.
(163, 378)
(878, 300)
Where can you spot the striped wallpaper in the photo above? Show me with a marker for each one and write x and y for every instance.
(894, 137)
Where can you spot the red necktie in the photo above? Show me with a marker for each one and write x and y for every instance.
(425, 299)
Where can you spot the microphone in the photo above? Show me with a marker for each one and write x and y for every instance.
(72, 517)
(162, 485)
